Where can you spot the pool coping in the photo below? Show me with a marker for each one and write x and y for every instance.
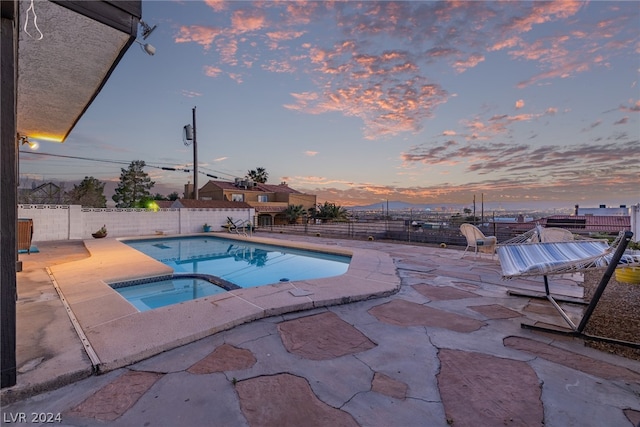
(119, 335)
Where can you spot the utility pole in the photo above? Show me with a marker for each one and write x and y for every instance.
(195, 158)
(474, 208)
(189, 137)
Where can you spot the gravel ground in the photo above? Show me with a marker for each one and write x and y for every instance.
(617, 314)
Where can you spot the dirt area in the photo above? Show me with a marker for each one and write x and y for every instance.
(617, 315)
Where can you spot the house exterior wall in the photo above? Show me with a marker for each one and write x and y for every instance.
(65, 222)
(306, 200)
(211, 192)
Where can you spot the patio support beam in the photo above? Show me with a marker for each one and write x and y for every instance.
(8, 190)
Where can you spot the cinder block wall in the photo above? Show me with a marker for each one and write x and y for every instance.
(69, 222)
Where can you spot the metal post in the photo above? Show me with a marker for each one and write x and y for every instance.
(8, 187)
(195, 158)
(613, 263)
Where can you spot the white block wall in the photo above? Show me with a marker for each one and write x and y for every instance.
(68, 222)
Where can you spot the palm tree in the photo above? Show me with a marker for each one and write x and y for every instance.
(331, 211)
(293, 212)
(258, 175)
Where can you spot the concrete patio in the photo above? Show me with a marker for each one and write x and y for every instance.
(439, 343)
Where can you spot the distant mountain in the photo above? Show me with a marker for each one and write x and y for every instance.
(398, 205)
(488, 206)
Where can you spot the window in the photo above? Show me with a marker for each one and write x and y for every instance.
(237, 197)
(263, 198)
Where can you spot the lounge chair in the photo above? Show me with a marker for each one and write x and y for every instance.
(554, 258)
(477, 240)
(554, 234)
(542, 234)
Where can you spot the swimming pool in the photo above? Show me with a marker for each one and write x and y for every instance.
(213, 259)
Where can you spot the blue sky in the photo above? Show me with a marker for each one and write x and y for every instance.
(361, 102)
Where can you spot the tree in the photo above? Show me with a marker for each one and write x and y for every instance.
(258, 175)
(171, 196)
(89, 193)
(133, 191)
(293, 212)
(331, 211)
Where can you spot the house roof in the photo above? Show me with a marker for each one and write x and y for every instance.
(164, 204)
(587, 223)
(263, 188)
(590, 222)
(270, 209)
(280, 188)
(204, 204)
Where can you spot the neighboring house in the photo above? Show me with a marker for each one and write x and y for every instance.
(269, 201)
(589, 223)
(603, 210)
(45, 194)
(579, 224)
(205, 204)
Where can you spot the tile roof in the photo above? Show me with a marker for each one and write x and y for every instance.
(587, 223)
(270, 209)
(591, 222)
(164, 204)
(264, 188)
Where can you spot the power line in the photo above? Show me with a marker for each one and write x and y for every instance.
(119, 162)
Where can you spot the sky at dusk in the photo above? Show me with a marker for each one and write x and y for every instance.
(362, 102)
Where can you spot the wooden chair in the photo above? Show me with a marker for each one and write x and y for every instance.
(25, 234)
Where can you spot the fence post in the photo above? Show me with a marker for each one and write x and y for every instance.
(75, 225)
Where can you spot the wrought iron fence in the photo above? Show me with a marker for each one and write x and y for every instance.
(403, 230)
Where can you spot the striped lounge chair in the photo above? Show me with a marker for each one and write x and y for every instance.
(554, 258)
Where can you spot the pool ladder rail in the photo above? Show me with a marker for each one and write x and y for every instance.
(240, 227)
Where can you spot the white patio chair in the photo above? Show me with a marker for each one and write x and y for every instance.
(477, 240)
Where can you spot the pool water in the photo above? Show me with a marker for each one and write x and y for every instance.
(242, 264)
(159, 293)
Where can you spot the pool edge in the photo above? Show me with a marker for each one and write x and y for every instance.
(121, 337)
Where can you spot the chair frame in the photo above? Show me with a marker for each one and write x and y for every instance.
(578, 330)
(478, 236)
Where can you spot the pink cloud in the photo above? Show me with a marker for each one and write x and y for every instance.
(519, 104)
(243, 21)
(212, 71)
(204, 36)
(216, 5)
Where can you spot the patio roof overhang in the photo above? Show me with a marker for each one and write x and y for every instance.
(64, 62)
(50, 76)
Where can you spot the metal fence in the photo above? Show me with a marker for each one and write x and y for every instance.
(402, 230)
(375, 230)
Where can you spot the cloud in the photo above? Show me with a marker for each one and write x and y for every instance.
(216, 5)
(212, 71)
(622, 121)
(311, 153)
(201, 35)
(506, 172)
(376, 61)
(190, 94)
(635, 107)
